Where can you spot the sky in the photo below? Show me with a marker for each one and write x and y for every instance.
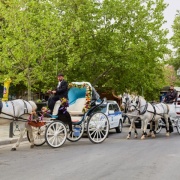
(169, 14)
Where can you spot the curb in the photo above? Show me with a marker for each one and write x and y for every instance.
(11, 141)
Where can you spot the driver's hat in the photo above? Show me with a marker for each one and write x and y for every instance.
(61, 74)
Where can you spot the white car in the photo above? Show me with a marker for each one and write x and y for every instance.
(114, 114)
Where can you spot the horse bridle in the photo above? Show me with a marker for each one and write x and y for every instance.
(138, 106)
(126, 104)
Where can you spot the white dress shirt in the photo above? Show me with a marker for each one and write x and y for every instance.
(59, 83)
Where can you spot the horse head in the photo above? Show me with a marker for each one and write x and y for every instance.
(126, 101)
(137, 103)
(33, 104)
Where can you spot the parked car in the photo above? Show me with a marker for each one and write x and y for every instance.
(114, 114)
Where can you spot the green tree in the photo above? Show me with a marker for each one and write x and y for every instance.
(117, 44)
(29, 41)
(113, 44)
(175, 60)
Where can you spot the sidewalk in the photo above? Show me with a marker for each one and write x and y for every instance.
(4, 134)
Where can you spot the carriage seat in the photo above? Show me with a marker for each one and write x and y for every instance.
(56, 107)
(77, 107)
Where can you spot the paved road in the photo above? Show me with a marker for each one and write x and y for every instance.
(114, 159)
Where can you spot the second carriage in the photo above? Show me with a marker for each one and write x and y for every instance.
(84, 119)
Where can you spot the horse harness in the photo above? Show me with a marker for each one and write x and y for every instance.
(14, 117)
(145, 109)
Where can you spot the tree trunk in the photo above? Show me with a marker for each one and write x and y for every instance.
(29, 87)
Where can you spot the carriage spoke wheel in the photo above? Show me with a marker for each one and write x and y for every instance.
(77, 133)
(178, 125)
(38, 134)
(56, 134)
(160, 123)
(98, 127)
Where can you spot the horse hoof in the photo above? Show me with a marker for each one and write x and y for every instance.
(13, 149)
(135, 136)
(143, 137)
(167, 134)
(32, 146)
(128, 137)
(153, 136)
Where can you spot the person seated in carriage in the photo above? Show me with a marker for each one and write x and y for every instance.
(171, 95)
(61, 91)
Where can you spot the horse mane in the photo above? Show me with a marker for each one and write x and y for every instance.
(33, 104)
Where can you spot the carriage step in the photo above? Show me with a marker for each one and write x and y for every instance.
(54, 116)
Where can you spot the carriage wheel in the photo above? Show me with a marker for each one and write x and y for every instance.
(160, 124)
(77, 133)
(98, 127)
(38, 134)
(178, 125)
(56, 134)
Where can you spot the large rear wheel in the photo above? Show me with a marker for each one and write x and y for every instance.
(38, 134)
(98, 127)
(178, 125)
(56, 134)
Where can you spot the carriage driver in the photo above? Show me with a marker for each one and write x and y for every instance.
(171, 95)
(61, 91)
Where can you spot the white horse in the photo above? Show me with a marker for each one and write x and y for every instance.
(19, 110)
(132, 114)
(150, 112)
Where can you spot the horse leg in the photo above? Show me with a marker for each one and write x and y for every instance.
(22, 132)
(153, 135)
(167, 125)
(150, 131)
(153, 129)
(144, 130)
(170, 125)
(29, 128)
(135, 131)
(130, 128)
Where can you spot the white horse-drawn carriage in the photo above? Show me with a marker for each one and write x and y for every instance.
(52, 130)
(174, 114)
(161, 114)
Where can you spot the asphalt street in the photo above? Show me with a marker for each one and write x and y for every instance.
(115, 159)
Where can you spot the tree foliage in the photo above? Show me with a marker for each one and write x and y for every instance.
(176, 40)
(114, 44)
(175, 59)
